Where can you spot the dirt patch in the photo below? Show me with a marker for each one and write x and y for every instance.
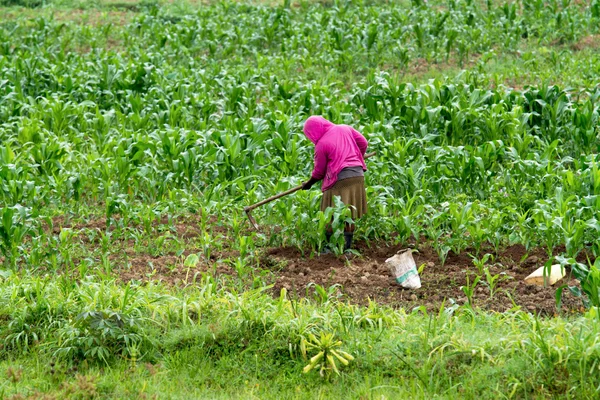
(588, 42)
(170, 269)
(517, 85)
(185, 226)
(358, 278)
(368, 278)
(95, 17)
(89, 17)
(420, 67)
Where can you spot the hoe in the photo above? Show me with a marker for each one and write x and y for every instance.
(248, 209)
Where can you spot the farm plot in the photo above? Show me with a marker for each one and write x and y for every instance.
(129, 146)
(356, 278)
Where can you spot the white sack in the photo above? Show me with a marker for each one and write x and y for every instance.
(404, 270)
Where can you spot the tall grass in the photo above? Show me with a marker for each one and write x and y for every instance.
(95, 323)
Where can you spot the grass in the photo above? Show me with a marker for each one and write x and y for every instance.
(226, 346)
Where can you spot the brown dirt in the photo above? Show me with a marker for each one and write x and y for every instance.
(360, 279)
(420, 67)
(93, 17)
(515, 84)
(369, 278)
(170, 269)
(588, 42)
(186, 226)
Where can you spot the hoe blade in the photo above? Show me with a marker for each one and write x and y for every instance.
(251, 219)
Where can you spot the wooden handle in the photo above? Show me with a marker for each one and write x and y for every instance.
(270, 199)
(283, 194)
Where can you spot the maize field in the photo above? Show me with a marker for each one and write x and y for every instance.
(134, 133)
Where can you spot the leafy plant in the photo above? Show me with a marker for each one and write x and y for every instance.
(588, 277)
(469, 288)
(480, 262)
(327, 354)
(16, 224)
(492, 280)
(324, 295)
(98, 336)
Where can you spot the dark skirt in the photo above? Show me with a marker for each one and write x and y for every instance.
(352, 193)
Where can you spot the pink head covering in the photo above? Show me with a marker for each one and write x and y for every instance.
(315, 127)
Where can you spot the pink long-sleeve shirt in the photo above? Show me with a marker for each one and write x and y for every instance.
(336, 147)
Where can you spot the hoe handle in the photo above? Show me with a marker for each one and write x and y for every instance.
(270, 199)
(283, 194)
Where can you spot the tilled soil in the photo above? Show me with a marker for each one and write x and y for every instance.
(368, 277)
(360, 279)
(364, 278)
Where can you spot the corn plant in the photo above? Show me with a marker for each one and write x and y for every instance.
(492, 280)
(469, 288)
(589, 277)
(203, 114)
(16, 224)
(479, 263)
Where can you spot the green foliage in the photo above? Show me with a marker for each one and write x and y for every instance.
(16, 224)
(469, 288)
(207, 335)
(588, 277)
(25, 3)
(175, 113)
(98, 336)
(180, 112)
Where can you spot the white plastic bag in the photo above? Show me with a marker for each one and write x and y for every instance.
(404, 269)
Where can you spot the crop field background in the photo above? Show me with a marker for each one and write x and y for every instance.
(133, 133)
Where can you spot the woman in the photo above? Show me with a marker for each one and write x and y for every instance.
(339, 161)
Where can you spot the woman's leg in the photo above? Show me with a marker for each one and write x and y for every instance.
(348, 235)
(328, 232)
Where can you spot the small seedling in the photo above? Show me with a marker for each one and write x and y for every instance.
(492, 280)
(480, 262)
(469, 288)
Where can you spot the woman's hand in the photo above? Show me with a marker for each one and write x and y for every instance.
(308, 184)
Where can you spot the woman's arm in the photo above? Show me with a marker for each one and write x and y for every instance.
(308, 184)
(360, 140)
(320, 168)
(320, 163)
